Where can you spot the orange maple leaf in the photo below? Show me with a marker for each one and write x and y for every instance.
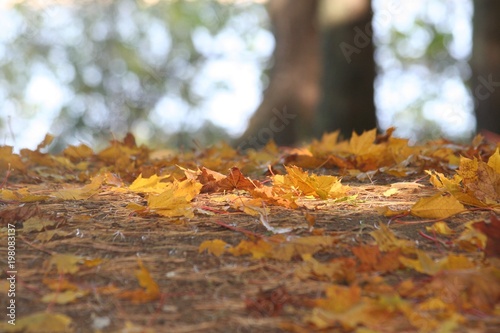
(150, 290)
(235, 180)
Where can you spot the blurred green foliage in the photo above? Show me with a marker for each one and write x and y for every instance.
(115, 61)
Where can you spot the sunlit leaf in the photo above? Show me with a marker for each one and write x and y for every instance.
(440, 228)
(152, 184)
(176, 199)
(437, 207)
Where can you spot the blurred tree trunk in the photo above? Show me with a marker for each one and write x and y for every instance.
(347, 101)
(485, 64)
(321, 80)
(287, 109)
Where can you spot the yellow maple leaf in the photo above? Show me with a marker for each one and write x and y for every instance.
(494, 161)
(340, 298)
(471, 239)
(437, 207)
(65, 263)
(468, 169)
(425, 264)
(361, 144)
(387, 240)
(40, 322)
(318, 186)
(259, 249)
(176, 199)
(75, 153)
(64, 297)
(150, 290)
(81, 193)
(152, 184)
(440, 228)
(216, 247)
(454, 187)
(36, 223)
(326, 146)
(9, 160)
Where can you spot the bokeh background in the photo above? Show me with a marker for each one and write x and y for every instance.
(172, 72)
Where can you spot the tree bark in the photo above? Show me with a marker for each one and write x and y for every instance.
(347, 100)
(321, 80)
(485, 64)
(286, 112)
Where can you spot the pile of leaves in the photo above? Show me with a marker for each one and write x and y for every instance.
(420, 255)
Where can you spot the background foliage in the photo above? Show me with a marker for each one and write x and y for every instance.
(151, 67)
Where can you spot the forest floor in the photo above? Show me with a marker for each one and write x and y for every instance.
(343, 236)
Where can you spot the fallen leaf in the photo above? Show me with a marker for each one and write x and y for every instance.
(64, 297)
(318, 186)
(340, 298)
(268, 303)
(387, 240)
(487, 186)
(216, 247)
(235, 180)
(176, 199)
(492, 231)
(80, 193)
(371, 259)
(65, 263)
(150, 290)
(152, 184)
(37, 223)
(440, 228)
(40, 322)
(437, 207)
(47, 236)
(426, 265)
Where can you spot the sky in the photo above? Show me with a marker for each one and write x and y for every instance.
(398, 88)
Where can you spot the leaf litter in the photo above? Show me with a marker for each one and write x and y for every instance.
(370, 234)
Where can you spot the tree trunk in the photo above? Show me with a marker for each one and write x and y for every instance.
(347, 96)
(485, 64)
(287, 110)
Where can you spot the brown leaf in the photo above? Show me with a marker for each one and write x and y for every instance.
(268, 303)
(235, 180)
(371, 259)
(492, 230)
(487, 186)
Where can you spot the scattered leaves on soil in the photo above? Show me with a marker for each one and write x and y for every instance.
(368, 235)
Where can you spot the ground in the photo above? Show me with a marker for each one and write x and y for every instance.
(96, 263)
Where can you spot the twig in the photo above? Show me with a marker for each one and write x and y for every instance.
(243, 231)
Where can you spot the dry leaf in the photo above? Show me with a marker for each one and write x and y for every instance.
(150, 290)
(64, 297)
(152, 184)
(235, 180)
(437, 207)
(216, 247)
(492, 231)
(387, 240)
(65, 263)
(176, 199)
